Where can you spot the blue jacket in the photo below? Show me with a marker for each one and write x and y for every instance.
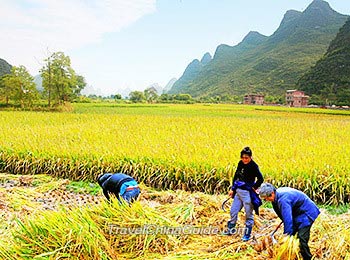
(295, 209)
(254, 197)
(112, 183)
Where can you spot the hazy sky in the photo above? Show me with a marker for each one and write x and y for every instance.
(118, 44)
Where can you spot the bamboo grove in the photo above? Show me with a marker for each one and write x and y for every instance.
(189, 147)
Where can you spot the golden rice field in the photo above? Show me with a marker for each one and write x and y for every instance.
(51, 218)
(191, 147)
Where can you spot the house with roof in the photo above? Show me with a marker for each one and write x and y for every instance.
(253, 99)
(296, 98)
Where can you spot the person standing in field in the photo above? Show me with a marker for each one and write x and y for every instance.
(120, 185)
(246, 181)
(297, 211)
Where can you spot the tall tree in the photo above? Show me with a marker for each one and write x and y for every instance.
(137, 96)
(151, 94)
(19, 85)
(60, 82)
(46, 75)
(5, 88)
(80, 84)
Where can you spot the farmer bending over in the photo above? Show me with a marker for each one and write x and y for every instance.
(120, 185)
(297, 211)
(246, 180)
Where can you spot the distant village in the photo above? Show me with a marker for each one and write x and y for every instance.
(294, 98)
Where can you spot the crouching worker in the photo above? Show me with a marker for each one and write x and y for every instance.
(120, 185)
(297, 211)
(246, 180)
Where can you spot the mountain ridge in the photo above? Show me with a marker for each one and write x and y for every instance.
(329, 79)
(266, 64)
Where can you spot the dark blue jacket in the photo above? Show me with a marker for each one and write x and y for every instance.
(295, 209)
(111, 183)
(254, 197)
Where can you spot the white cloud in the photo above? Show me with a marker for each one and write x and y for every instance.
(29, 28)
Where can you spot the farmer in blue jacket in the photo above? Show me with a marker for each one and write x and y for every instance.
(246, 181)
(120, 185)
(297, 211)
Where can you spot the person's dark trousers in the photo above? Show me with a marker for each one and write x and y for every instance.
(304, 236)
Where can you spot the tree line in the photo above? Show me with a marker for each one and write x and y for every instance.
(150, 95)
(59, 81)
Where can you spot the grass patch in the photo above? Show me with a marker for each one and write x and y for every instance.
(84, 187)
(337, 210)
